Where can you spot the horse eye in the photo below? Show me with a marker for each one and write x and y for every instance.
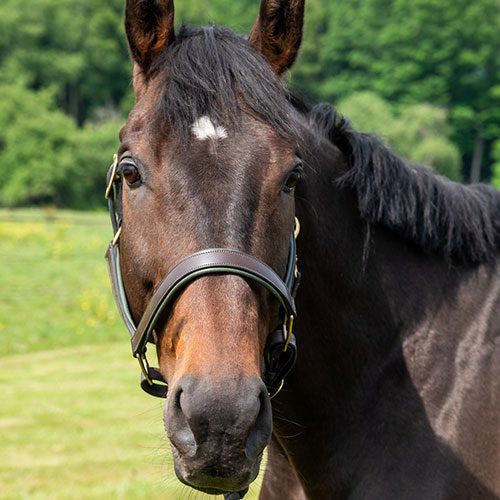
(131, 175)
(293, 179)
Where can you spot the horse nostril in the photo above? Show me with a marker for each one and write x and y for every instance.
(177, 399)
(179, 430)
(260, 434)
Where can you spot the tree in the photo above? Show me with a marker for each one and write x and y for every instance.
(444, 52)
(418, 132)
(35, 147)
(94, 146)
(61, 58)
(496, 167)
(45, 158)
(77, 47)
(370, 113)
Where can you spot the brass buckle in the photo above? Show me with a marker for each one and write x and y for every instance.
(109, 187)
(143, 363)
(296, 228)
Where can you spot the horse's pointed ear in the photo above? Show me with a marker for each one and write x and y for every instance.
(149, 25)
(277, 33)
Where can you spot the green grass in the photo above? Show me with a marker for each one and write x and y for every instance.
(55, 289)
(74, 423)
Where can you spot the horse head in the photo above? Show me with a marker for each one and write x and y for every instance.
(209, 159)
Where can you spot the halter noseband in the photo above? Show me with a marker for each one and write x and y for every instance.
(280, 352)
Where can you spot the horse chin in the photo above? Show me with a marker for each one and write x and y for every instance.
(218, 478)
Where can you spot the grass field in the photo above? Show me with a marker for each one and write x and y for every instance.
(73, 420)
(54, 285)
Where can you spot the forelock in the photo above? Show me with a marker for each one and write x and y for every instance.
(212, 72)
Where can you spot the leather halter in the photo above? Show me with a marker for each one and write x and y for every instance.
(280, 352)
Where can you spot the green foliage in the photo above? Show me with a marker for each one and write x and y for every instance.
(94, 146)
(441, 155)
(421, 135)
(77, 47)
(418, 132)
(35, 147)
(45, 158)
(369, 113)
(496, 167)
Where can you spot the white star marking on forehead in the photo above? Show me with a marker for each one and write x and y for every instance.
(204, 128)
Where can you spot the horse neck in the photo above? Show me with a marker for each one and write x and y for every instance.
(344, 304)
(364, 287)
(362, 290)
(345, 320)
(366, 297)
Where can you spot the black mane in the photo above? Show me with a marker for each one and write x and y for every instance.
(211, 71)
(440, 216)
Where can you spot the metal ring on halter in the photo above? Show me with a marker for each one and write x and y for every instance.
(117, 236)
(111, 181)
(288, 331)
(276, 392)
(143, 363)
(296, 228)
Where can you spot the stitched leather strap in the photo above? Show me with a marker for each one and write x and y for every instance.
(115, 276)
(211, 261)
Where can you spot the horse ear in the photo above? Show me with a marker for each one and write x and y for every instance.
(277, 33)
(149, 25)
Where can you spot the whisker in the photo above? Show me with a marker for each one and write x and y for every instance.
(283, 419)
(309, 205)
(291, 436)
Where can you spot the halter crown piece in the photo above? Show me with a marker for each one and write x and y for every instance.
(280, 352)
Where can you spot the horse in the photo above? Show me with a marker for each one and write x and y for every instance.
(395, 393)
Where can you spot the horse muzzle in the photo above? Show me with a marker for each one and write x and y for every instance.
(218, 431)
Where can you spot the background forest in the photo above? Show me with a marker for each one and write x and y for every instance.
(423, 74)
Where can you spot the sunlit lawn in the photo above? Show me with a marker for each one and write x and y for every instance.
(73, 420)
(74, 424)
(53, 281)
